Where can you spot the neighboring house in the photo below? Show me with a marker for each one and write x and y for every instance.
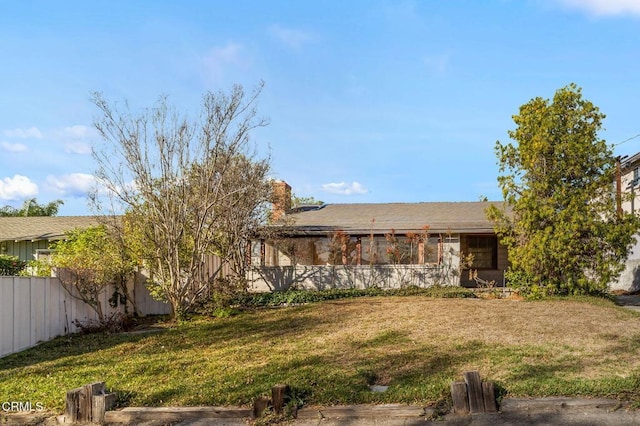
(387, 244)
(629, 280)
(30, 238)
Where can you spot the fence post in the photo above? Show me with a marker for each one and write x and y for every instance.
(88, 403)
(280, 395)
(473, 395)
(460, 398)
(72, 406)
(474, 388)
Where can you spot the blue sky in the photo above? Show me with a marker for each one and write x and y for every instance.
(369, 101)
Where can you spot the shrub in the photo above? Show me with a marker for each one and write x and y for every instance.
(11, 265)
(296, 297)
(115, 323)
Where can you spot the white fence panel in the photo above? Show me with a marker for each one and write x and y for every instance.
(6, 316)
(37, 309)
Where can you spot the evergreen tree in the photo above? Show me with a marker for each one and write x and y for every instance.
(560, 223)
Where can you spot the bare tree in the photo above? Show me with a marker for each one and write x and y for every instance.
(194, 185)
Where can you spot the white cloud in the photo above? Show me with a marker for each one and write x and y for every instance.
(13, 147)
(291, 37)
(31, 132)
(73, 184)
(74, 138)
(218, 60)
(605, 7)
(344, 188)
(77, 148)
(77, 132)
(17, 187)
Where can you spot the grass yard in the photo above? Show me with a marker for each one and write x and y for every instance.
(330, 352)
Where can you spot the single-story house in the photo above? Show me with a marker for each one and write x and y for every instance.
(336, 245)
(30, 238)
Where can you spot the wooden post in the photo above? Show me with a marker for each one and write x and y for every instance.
(101, 404)
(86, 400)
(280, 395)
(72, 407)
(474, 389)
(421, 252)
(259, 405)
(359, 251)
(80, 402)
(247, 254)
(489, 395)
(460, 397)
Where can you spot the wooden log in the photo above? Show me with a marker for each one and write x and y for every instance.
(101, 404)
(474, 390)
(172, 415)
(259, 406)
(85, 405)
(72, 405)
(489, 395)
(280, 395)
(460, 397)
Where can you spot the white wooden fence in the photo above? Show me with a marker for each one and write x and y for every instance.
(36, 309)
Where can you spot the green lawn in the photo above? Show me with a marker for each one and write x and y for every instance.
(330, 352)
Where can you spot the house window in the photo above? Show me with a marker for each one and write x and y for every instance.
(484, 249)
(43, 255)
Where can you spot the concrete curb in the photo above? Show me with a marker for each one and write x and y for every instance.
(365, 411)
(138, 415)
(521, 404)
(512, 411)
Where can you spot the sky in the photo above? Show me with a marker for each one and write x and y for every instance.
(369, 101)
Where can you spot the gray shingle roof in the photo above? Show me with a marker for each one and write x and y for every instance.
(41, 228)
(467, 217)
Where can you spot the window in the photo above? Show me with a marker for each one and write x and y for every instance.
(484, 249)
(43, 255)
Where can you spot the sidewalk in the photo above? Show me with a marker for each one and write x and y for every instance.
(629, 301)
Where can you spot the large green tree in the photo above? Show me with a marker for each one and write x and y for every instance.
(560, 223)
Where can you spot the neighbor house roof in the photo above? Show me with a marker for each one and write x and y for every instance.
(37, 228)
(630, 162)
(457, 217)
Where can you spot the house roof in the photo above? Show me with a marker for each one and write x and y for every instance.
(35, 228)
(630, 162)
(457, 217)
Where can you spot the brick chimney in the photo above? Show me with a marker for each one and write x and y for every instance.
(281, 200)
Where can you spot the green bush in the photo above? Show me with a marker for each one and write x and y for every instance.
(296, 297)
(11, 265)
(36, 268)
(526, 286)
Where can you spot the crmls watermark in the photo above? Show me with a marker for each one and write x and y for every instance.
(21, 406)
